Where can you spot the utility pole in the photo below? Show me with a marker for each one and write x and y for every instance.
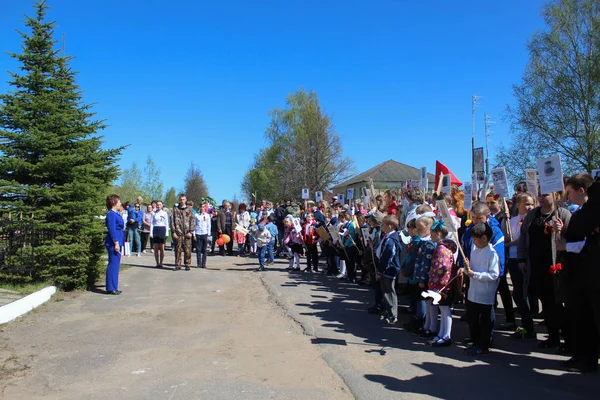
(487, 122)
(474, 100)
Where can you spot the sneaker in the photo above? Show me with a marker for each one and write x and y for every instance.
(340, 276)
(475, 351)
(187, 268)
(419, 331)
(522, 333)
(390, 320)
(297, 269)
(139, 255)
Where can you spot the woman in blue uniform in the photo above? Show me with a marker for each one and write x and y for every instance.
(114, 242)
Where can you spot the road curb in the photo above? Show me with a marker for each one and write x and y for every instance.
(23, 306)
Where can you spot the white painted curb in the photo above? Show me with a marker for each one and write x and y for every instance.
(26, 304)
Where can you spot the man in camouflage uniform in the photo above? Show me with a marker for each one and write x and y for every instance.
(182, 228)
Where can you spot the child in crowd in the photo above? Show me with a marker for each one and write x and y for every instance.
(389, 198)
(263, 238)
(483, 270)
(420, 275)
(274, 232)
(293, 241)
(310, 237)
(525, 203)
(439, 277)
(389, 267)
(252, 231)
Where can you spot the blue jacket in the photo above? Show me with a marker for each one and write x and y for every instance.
(497, 243)
(114, 225)
(272, 230)
(389, 262)
(134, 215)
(423, 260)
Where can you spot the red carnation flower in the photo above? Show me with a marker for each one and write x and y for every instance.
(558, 267)
(496, 196)
(553, 269)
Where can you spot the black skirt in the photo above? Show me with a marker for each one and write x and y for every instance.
(159, 234)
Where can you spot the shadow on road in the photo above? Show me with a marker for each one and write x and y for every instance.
(510, 370)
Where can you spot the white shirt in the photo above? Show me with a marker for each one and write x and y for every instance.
(263, 238)
(202, 224)
(483, 285)
(515, 230)
(159, 218)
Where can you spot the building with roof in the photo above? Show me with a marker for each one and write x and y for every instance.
(390, 174)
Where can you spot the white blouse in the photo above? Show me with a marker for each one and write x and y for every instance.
(160, 219)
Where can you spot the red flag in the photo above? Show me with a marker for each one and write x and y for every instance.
(442, 169)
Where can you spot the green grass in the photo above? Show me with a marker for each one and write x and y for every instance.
(26, 288)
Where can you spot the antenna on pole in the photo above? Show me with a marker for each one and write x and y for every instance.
(63, 45)
(474, 103)
(487, 122)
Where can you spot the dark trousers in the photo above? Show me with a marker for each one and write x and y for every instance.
(504, 291)
(145, 236)
(479, 317)
(378, 293)
(201, 245)
(112, 270)
(280, 234)
(554, 311)
(331, 265)
(519, 294)
(229, 245)
(312, 256)
(584, 306)
(351, 261)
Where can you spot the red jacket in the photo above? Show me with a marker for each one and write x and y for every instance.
(309, 232)
(391, 210)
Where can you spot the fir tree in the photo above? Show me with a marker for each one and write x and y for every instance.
(52, 164)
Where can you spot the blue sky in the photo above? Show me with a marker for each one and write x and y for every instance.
(194, 81)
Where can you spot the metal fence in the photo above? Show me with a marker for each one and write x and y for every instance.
(18, 240)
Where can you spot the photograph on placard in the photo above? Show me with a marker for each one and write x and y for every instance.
(363, 191)
(550, 174)
(531, 181)
(318, 196)
(468, 186)
(442, 208)
(341, 198)
(424, 182)
(446, 187)
(480, 177)
(500, 181)
(350, 193)
(478, 160)
(365, 235)
(305, 194)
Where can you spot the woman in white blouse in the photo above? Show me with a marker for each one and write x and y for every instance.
(159, 230)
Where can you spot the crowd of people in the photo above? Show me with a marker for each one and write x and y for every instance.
(547, 244)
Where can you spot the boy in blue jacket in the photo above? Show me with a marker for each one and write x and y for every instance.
(389, 267)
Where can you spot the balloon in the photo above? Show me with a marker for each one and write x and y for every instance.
(220, 242)
(226, 238)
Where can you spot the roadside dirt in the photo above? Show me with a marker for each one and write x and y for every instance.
(175, 335)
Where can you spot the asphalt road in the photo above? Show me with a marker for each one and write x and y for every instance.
(229, 332)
